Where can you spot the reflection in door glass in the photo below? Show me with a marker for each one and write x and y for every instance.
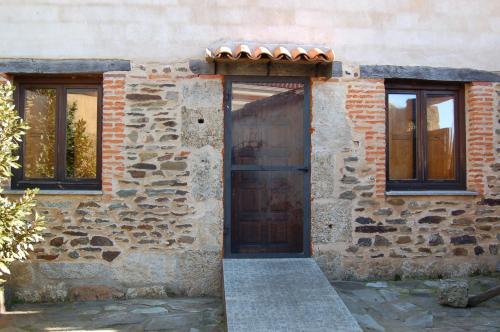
(267, 123)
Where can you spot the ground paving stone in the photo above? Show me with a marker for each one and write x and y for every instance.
(175, 322)
(113, 307)
(403, 310)
(367, 322)
(151, 310)
(413, 306)
(378, 284)
(170, 314)
(420, 320)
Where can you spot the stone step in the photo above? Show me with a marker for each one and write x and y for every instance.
(282, 294)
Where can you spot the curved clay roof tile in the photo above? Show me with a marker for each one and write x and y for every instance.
(262, 52)
(224, 52)
(299, 53)
(316, 54)
(330, 55)
(243, 51)
(282, 53)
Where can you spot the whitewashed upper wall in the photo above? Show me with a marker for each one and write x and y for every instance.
(453, 33)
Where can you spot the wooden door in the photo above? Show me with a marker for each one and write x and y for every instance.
(267, 166)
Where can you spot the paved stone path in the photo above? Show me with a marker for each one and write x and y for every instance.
(378, 306)
(173, 314)
(412, 306)
(279, 294)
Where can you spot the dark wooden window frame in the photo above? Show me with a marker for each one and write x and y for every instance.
(61, 83)
(229, 167)
(422, 90)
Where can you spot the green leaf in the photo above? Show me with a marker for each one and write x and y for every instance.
(20, 226)
(4, 268)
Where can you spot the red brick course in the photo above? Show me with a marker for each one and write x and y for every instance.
(480, 105)
(365, 106)
(113, 129)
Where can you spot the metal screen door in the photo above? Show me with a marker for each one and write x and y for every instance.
(266, 164)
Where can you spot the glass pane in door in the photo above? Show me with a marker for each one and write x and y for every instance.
(267, 123)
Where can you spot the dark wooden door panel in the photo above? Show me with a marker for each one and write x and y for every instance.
(267, 212)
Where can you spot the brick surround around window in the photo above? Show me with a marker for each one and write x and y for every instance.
(365, 107)
(113, 130)
(480, 109)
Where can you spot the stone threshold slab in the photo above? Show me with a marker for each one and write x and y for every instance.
(431, 193)
(282, 294)
(57, 192)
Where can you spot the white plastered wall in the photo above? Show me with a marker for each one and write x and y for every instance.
(452, 33)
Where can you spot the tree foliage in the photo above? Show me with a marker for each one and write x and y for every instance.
(20, 226)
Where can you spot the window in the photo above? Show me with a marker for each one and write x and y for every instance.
(61, 149)
(425, 137)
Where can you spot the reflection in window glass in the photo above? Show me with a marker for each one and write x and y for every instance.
(81, 134)
(39, 142)
(440, 133)
(267, 123)
(402, 149)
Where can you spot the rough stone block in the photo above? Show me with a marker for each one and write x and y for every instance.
(453, 293)
(92, 293)
(431, 220)
(464, 239)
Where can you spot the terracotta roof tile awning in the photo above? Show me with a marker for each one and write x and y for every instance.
(279, 54)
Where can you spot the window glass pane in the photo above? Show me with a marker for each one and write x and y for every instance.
(39, 142)
(402, 150)
(268, 123)
(81, 133)
(440, 137)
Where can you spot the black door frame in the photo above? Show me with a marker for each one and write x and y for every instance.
(228, 167)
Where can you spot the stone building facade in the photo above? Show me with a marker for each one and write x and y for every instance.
(156, 226)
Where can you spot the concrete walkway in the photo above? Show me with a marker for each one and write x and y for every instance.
(282, 295)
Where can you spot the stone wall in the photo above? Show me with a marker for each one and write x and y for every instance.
(493, 178)
(156, 228)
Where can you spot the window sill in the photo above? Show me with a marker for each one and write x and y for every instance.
(431, 193)
(57, 192)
